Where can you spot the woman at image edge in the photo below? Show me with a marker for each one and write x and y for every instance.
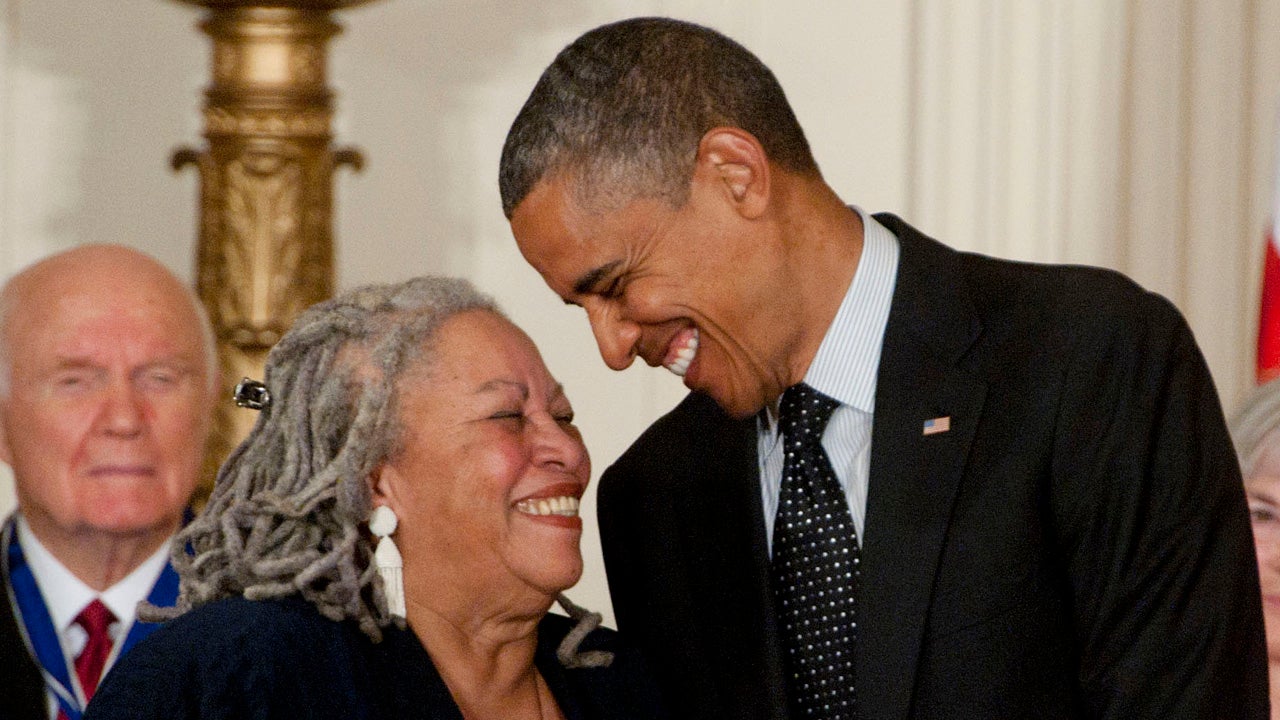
(1256, 433)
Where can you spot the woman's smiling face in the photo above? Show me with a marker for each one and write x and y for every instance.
(489, 469)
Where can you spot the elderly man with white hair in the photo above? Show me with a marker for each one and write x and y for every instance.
(107, 380)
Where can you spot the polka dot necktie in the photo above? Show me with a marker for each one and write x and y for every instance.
(815, 565)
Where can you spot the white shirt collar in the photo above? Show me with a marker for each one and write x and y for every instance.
(65, 595)
(848, 360)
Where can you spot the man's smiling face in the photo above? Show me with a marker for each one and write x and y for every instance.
(687, 288)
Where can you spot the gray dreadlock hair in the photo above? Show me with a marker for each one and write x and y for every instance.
(287, 511)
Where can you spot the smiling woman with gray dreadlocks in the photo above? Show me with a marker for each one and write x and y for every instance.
(415, 419)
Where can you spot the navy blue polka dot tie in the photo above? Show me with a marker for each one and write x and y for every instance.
(815, 566)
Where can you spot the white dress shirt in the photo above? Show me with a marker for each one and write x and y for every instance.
(844, 369)
(65, 596)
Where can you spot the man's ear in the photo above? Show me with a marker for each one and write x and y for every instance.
(734, 159)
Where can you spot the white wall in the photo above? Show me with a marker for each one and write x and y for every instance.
(1117, 132)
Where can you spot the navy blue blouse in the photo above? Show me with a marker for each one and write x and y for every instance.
(279, 659)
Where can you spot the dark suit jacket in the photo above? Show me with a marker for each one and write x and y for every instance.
(22, 689)
(21, 686)
(1076, 546)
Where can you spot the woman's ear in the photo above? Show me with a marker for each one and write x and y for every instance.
(383, 483)
(734, 159)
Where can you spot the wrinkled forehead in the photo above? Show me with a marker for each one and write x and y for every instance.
(92, 317)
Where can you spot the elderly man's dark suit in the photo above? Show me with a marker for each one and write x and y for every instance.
(22, 695)
(1077, 545)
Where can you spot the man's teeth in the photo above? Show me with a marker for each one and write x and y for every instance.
(684, 356)
(566, 506)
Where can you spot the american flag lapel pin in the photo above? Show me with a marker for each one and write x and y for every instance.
(937, 425)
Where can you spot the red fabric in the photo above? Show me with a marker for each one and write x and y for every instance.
(1269, 317)
(95, 619)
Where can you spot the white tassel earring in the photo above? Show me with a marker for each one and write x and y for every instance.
(382, 522)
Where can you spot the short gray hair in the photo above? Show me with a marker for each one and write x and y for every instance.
(1254, 425)
(623, 108)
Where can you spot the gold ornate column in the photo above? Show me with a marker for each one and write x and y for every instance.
(265, 249)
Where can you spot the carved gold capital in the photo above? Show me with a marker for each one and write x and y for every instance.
(265, 249)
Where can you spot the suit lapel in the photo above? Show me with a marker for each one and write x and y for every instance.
(21, 684)
(914, 476)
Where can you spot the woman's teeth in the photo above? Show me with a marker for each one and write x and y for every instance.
(684, 356)
(566, 506)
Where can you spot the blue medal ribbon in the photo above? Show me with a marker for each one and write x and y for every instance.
(42, 637)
